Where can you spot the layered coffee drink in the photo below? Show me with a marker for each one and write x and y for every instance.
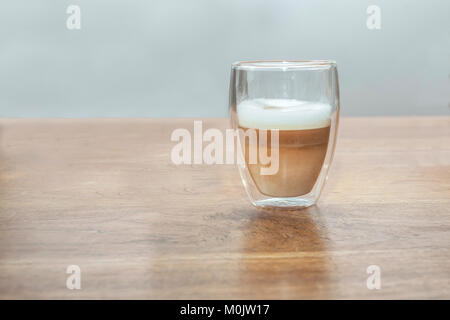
(303, 134)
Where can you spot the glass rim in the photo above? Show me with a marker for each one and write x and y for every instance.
(282, 65)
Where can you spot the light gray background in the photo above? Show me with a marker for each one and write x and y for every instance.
(171, 58)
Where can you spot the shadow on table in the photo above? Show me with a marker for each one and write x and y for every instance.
(286, 254)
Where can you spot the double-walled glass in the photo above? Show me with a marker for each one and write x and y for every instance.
(287, 113)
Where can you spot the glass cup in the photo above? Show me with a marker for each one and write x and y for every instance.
(286, 113)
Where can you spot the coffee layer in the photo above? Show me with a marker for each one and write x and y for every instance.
(301, 156)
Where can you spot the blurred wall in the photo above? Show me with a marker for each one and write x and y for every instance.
(171, 58)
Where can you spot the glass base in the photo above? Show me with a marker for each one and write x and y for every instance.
(284, 203)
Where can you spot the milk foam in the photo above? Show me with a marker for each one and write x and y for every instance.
(283, 114)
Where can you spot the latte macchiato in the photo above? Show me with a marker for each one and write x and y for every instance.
(304, 131)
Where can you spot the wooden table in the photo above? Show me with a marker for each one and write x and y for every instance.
(104, 195)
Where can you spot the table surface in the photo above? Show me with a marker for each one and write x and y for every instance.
(103, 194)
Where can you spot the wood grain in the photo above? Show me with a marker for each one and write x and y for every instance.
(104, 195)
